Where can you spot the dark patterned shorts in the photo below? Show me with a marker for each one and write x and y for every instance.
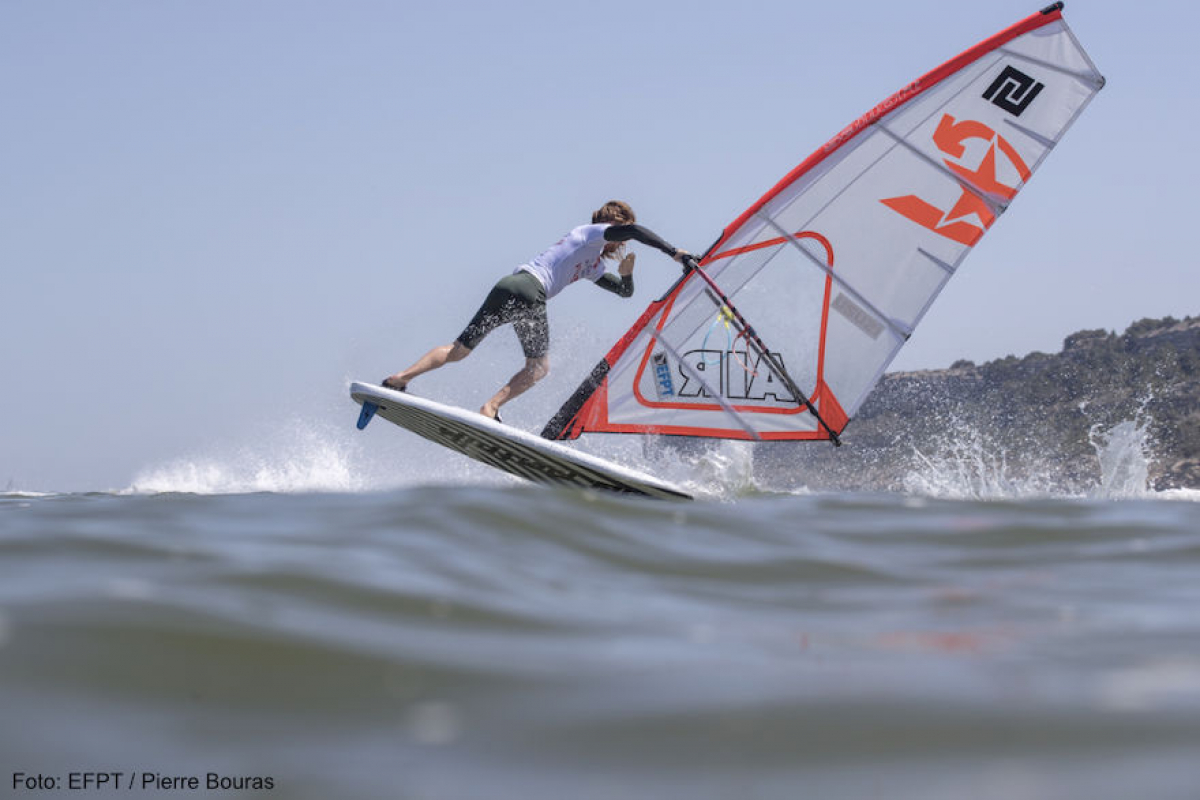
(520, 299)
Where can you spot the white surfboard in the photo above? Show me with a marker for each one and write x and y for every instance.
(504, 447)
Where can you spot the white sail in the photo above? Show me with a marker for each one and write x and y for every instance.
(834, 267)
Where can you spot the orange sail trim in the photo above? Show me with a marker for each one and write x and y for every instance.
(745, 409)
(737, 251)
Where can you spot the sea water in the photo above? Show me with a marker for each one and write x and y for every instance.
(287, 624)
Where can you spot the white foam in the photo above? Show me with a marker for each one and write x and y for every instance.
(1187, 495)
(298, 458)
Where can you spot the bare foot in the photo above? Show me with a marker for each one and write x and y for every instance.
(390, 382)
(490, 412)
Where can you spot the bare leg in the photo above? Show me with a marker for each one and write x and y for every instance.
(534, 370)
(437, 357)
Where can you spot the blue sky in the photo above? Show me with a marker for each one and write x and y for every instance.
(214, 214)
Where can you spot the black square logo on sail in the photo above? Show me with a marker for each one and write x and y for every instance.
(1013, 91)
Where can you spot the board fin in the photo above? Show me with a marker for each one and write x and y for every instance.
(364, 416)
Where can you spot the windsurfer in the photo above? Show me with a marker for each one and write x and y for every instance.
(520, 298)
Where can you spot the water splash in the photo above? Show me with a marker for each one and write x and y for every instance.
(1123, 453)
(711, 468)
(727, 468)
(971, 466)
(308, 461)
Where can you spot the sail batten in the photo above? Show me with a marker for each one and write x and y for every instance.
(805, 299)
(994, 202)
(1090, 77)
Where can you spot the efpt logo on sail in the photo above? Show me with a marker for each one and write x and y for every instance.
(664, 387)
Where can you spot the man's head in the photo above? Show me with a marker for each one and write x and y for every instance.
(614, 212)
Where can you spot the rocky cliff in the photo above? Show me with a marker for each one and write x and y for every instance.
(1041, 416)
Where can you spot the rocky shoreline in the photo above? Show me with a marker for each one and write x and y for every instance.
(1039, 417)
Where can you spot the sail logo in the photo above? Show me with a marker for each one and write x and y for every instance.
(664, 387)
(1013, 91)
(735, 374)
(982, 190)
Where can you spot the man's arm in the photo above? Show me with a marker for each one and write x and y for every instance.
(623, 233)
(622, 286)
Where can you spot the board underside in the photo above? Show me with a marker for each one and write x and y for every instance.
(503, 447)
